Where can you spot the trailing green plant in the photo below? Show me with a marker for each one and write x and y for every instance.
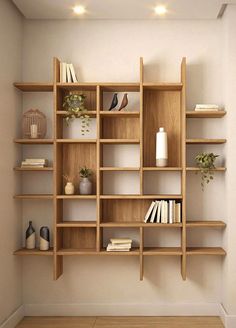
(205, 162)
(74, 105)
(85, 172)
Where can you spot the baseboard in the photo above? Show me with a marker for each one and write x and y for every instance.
(228, 320)
(109, 309)
(14, 319)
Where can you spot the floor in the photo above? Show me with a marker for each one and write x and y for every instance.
(120, 322)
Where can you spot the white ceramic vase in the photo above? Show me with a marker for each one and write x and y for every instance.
(161, 148)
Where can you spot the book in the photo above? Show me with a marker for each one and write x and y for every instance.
(35, 160)
(149, 211)
(206, 107)
(171, 213)
(163, 212)
(111, 246)
(120, 241)
(63, 72)
(72, 71)
(178, 213)
(68, 75)
(158, 217)
(154, 211)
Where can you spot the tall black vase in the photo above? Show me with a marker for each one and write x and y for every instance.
(30, 237)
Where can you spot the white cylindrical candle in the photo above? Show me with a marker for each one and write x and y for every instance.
(33, 131)
(161, 148)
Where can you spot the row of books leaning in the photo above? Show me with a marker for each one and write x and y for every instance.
(163, 211)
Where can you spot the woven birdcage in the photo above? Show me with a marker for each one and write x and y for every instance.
(34, 116)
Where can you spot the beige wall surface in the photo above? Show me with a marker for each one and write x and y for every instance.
(11, 28)
(110, 51)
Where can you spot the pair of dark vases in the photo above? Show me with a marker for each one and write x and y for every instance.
(30, 238)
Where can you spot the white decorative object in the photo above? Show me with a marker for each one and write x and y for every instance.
(85, 186)
(33, 131)
(30, 237)
(69, 188)
(44, 241)
(161, 148)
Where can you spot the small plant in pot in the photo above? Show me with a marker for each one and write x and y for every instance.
(74, 105)
(85, 186)
(205, 162)
(69, 187)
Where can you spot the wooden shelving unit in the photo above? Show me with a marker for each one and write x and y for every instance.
(160, 104)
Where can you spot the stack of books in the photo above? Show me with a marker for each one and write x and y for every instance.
(119, 245)
(34, 163)
(206, 108)
(67, 73)
(163, 211)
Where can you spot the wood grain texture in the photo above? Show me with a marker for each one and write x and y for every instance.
(121, 322)
(34, 141)
(79, 238)
(120, 128)
(162, 109)
(205, 224)
(24, 251)
(34, 87)
(201, 141)
(206, 114)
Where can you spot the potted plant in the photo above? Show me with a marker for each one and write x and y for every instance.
(205, 162)
(74, 105)
(85, 186)
(69, 187)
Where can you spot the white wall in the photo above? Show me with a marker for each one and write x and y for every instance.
(110, 51)
(11, 28)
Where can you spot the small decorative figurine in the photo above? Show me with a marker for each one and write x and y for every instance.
(69, 187)
(124, 102)
(114, 102)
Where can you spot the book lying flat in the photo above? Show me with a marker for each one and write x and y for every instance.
(120, 241)
(206, 106)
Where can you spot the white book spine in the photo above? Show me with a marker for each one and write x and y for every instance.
(152, 219)
(149, 212)
(171, 211)
(72, 71)
(178, 212)
(63, 80)
(159, 212)
(68, 75)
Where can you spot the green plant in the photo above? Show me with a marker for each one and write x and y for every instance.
(85, 172)
(74, 105)
(205, 162)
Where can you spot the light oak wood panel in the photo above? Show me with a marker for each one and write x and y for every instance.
(106, 168)
(205, 224)
(162, 169)
(24, 251)
(206, 251)
(79, 238)
(119, 87)
(34, 196)
(141, 197)
(76, 224)
(77, 141)
(177, 251)
(163, 86)
(135, 224)
(91, 113)
(33, 169)
(206, 141)
(119, 141)
(120, 128)
(121, 322)
(111, 114)
(84, 87)
(217, 169)
(34, 141)
(206, 114)
(34, 87)
(76, 156)
(162, 109)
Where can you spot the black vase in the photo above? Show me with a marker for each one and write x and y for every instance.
(30, 237)
(44, 242)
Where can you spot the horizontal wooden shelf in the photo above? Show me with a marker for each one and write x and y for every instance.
(154, 168)
(34, 87)
(205, 114)
(120, 141)
(205, 224)
(119, 169)
(36, 169)
(119, 114)
(176, 251)
(205, 251)
(205, 141)
(24, 251)
(76, 224)
(91, 113)
(139, 224)
(163, 86)
(198, 169)
(77, 86)
(34, 141)
(34, 196)
(120, 87)
(76, 140)
(76, 196)
(141, 196)
(89, 251)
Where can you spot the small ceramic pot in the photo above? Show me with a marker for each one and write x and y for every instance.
(85, 186)
(69, 188)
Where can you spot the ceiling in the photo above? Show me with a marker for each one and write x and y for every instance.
(122, 9)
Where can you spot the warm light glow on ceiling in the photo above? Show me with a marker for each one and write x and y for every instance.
(160, 10)
(79, 10)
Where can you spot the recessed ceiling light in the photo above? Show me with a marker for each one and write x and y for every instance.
(79, 10)
(160, 10)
